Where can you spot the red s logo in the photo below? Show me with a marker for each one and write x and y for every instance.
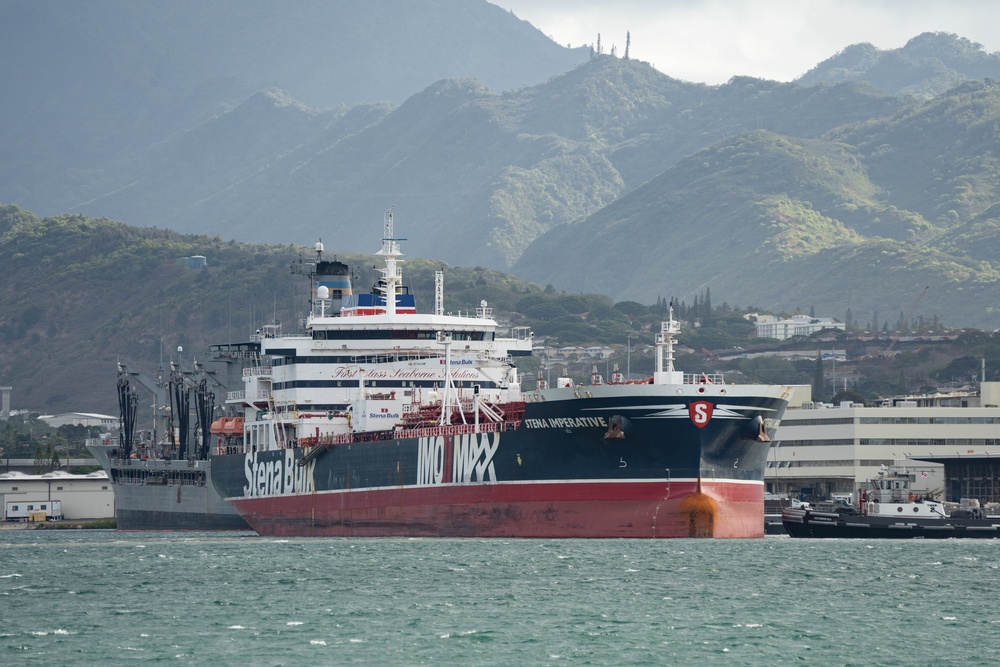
(700, 413)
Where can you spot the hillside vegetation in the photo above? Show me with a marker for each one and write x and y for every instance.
(81, 294)
(859, 218)
(928, 65)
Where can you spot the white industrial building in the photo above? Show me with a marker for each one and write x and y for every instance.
(821, 449)
(81, 496)
(106, 422)
(769, 326)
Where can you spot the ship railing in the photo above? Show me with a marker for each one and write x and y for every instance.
(263, 370)
(274, 331)
(453, 429)
(704, 378)
(241, 395)
(404, 433)
(521, 333)
(236, 354)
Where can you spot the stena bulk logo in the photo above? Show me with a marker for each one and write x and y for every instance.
(457, 362)
(471, 458)
(700, 413)
(277, 476)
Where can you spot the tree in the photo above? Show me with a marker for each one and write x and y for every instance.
(628, 42)
(8, 437)
(848, 395)
(42, 460)
(818, 383)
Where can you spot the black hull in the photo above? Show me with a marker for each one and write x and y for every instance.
(806, 523)
(170, 520)
(560, 462)
(773, 525)
(557, 441)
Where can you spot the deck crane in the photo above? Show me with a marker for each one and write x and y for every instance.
(909, 316)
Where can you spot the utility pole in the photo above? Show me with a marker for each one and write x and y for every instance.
(628, 359)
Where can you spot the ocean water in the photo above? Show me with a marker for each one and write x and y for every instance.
(107, 598)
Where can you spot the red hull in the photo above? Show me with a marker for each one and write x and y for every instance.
(634, 509)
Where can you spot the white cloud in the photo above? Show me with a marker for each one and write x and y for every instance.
(713, 40)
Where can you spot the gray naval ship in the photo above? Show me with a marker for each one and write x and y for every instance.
(161, 475)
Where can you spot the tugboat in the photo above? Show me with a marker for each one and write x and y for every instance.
(379, 420)
(774, 504)
(890, 509)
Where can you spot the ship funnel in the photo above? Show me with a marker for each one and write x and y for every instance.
(335, 278)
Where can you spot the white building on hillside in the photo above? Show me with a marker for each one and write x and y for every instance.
(106, 422)
(769, 326)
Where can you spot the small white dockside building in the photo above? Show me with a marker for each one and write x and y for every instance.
(79, 496)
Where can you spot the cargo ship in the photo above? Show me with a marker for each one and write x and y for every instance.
(379, 420)
(160, 475)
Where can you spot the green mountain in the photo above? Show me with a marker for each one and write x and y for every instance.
(502, 169)
(91, 82)
(861, 218)
(928, 65)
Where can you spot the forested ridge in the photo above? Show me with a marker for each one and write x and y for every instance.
(81, 294)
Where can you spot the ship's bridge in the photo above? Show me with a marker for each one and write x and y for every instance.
(416, 332)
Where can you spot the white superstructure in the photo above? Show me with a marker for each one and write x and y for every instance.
(372, 363)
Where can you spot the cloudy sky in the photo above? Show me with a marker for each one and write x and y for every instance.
(710, 41)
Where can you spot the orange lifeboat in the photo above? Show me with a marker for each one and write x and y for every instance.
(219, 425)
(233, 427)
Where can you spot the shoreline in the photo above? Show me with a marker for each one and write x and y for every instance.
(64, 524)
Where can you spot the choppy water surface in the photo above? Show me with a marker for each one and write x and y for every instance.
(101, 597)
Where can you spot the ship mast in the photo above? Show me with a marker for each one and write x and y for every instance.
(439, 292)
(392, 275)
(665, 352)
(450, 397)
